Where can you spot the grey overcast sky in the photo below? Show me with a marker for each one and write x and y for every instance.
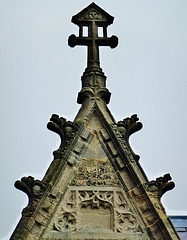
(40, 75)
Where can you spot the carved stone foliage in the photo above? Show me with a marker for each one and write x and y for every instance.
(85, 210)
(124, 129)
(34, 189)
(65, 129)
(95, 172)
(160, 185)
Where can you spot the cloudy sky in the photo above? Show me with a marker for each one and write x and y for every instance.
(40, 75)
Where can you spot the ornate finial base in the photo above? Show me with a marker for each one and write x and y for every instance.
(93, 86)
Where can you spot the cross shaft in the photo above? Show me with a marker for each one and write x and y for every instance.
(93, 42)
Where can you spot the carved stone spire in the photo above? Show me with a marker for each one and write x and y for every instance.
(95, 187)
(93, 18)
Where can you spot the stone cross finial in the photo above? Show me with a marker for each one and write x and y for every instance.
(93, 17)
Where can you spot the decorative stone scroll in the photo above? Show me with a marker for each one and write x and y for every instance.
(65, 129)
(34, 189)
(123, 130)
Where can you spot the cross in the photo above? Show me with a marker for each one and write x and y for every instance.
(93, 17)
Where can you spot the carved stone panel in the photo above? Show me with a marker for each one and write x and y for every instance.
(95, 172)
(98, 206)
(102, 211)
(66, 218)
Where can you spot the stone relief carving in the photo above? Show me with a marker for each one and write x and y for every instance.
(66, 220)
(65, 129)
(95, 172)
(84, 209)
(92, 14)
(95, 199)
(126, 220)
(65, 223)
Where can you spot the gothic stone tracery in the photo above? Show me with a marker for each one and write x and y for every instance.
(86, 209)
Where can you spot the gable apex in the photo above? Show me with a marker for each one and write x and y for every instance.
(92, 13)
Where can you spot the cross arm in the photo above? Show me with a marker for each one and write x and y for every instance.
(73, 41)
(108, 41)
